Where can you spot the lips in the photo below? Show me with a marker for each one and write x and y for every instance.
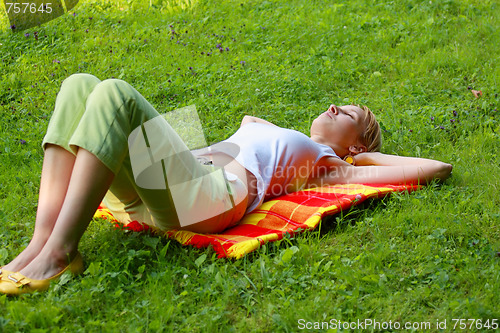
(329, 114)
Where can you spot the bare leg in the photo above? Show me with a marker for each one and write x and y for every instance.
(56, 173)
(89, 181)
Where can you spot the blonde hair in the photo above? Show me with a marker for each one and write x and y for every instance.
(372, 136)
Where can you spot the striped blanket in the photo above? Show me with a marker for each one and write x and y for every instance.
(288, 214)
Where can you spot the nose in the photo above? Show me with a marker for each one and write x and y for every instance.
(333, 108)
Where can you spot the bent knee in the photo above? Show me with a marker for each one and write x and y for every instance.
(114, 85)
(112, 95)
(115, 90)
(79, 81)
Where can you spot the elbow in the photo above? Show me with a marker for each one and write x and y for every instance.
(444, 171)
(246, 119)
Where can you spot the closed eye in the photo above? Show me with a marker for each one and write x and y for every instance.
(349, 114)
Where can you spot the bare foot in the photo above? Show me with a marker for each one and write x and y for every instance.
(23, 259)
(46, 265)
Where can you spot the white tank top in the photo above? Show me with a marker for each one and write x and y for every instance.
(280, 159)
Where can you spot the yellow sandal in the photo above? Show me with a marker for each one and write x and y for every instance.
(17, 284)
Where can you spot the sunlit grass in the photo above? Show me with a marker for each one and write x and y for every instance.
(428, 256)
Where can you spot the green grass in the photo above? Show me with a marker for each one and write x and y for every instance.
(432, 255)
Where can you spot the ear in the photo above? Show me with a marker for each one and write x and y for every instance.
(354, 150)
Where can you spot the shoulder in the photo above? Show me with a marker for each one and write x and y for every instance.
(328, 171)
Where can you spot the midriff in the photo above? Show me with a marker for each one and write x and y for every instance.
(231, 165)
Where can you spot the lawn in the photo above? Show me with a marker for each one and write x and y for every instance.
(419, 258)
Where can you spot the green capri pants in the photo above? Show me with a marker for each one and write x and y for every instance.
(113, 121)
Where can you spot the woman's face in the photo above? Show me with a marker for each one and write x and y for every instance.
(340, 127)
